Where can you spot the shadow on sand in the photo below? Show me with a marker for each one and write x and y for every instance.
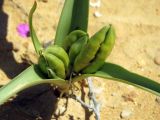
(35, 103)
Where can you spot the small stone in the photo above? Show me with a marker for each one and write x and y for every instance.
(157, 100)
(95, 4)
(97, 14)
(113, 94)
(60, 110)
(157, 60)
(125, 114)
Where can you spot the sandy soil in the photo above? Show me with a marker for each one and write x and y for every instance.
(137, 48)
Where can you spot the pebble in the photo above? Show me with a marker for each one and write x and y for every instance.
(97, 14)
(157, 60)
(95, 4)
(157, 100)
(113, 94)
(60, 110)
(126, 113)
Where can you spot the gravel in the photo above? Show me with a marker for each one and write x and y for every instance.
(126, 114)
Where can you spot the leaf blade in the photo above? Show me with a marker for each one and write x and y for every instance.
(36, 42)
(30, 77)
(74, 15)
(80, 15)
(118, 73)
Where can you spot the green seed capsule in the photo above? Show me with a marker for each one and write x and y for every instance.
(103, 52)
(60, 53)
(71, 38)
(51, 62)
(76, 48)
(89, 51)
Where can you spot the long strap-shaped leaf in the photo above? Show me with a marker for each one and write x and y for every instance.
(30, 77)
(118, 73)
(36, 43)
(74, 16)
(80, 15)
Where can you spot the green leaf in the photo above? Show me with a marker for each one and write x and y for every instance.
(74, 16)
(118, 73)
(36, 43)
(80, 15)
(30, 77)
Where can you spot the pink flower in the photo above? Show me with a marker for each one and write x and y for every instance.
(23, 30)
